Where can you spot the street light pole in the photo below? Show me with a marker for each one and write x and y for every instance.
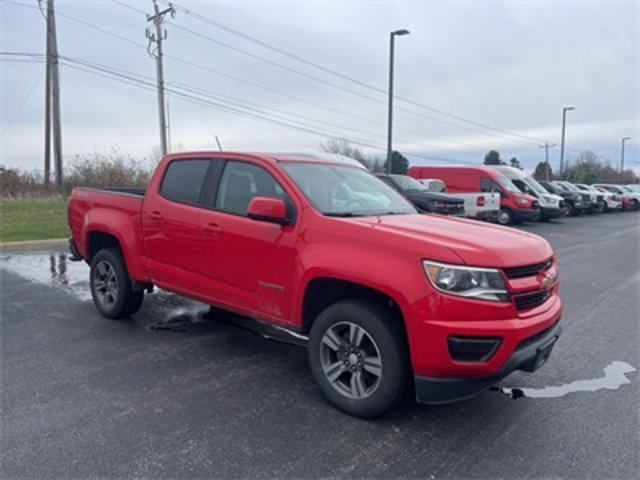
(390, 113)
(564, 124)
(624, 139)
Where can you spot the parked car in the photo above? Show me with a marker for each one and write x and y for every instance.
(515, 207)
(551, 205)
(586, 203)
(573, 201)
(600, 201)
(630, 199)
(481, 206)
(421, 198)
(324, 248)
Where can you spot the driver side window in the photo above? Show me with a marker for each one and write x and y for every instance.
(489, 186)
(240, 182)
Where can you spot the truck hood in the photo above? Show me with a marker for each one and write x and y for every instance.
(475, 243)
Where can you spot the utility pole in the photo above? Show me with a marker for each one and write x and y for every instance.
(47, 105)
(218, 142)
(546, 147)
(392, 39)
(169, 128)
(624, 139)
(564, 124)
(157, 37)
(52, 102)
(55, 97)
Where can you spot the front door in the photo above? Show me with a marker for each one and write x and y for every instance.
(249, 262)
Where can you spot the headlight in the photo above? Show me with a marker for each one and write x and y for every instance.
(470, 282)
(549, 199)
(522, 201)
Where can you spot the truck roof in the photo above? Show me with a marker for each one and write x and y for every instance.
(274, 157)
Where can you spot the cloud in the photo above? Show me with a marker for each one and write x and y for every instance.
(509, 65)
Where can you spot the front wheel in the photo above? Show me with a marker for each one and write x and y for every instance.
(111, 288)
(505, 217)
(357, 355)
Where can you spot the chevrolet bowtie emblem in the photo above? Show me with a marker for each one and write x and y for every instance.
(548, 281)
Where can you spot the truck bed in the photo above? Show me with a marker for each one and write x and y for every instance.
(110, 206)
(138, 192)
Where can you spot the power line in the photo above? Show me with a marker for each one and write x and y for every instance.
(22, 103)
(348, 90)
(149, 85)
(334, 72)
(239, 79)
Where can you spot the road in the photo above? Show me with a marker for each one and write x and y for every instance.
(176, 392)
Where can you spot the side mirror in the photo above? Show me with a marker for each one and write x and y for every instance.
(267, 209)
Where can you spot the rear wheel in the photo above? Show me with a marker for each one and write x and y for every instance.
(358, 357)
(111, 287)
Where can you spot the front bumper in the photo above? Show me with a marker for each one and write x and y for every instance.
(529, 355)
(553, 212)
(528, 215)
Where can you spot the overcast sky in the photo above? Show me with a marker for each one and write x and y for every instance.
(508, 65)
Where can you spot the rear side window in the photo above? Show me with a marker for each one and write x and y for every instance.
(183, 180)
(240, 182)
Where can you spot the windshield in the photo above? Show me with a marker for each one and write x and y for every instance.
(408, 184)
(627, 189)
(343, 191)
(534, 185)
(508, 185)
(612, 189)
(571, 187)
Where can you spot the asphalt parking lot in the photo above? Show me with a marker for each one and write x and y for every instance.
(177, 392)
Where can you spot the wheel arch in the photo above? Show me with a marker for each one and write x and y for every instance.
(324, 291)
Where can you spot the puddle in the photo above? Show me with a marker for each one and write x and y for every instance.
(615, 375)
(53, 269)
(198, 316)
(180, 320)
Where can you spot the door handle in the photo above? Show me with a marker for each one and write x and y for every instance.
(155, 215)
(212, 229)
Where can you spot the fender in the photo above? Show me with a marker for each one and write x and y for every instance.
(124, 227)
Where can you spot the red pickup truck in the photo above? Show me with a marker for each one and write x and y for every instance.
(389, 298)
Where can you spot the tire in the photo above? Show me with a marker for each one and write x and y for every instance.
(636, 205)
(505, 217)
(111, 288)
(338, 363)
(571, 210)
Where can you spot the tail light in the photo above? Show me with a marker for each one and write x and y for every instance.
(480, 202)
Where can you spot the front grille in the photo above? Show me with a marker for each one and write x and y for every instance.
(535, 337)
(531, 300)
(527, 270)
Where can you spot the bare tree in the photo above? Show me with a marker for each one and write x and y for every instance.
(341, 146)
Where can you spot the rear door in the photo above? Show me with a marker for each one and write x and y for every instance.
(170, 225)
(249, 263)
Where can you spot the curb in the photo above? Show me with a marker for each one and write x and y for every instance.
(26, 244)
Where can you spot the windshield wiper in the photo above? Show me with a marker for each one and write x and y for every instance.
(340, 214)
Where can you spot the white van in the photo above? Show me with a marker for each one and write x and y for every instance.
(551, 205)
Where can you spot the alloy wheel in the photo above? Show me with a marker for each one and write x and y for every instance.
(105, 284)
(350, 360)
